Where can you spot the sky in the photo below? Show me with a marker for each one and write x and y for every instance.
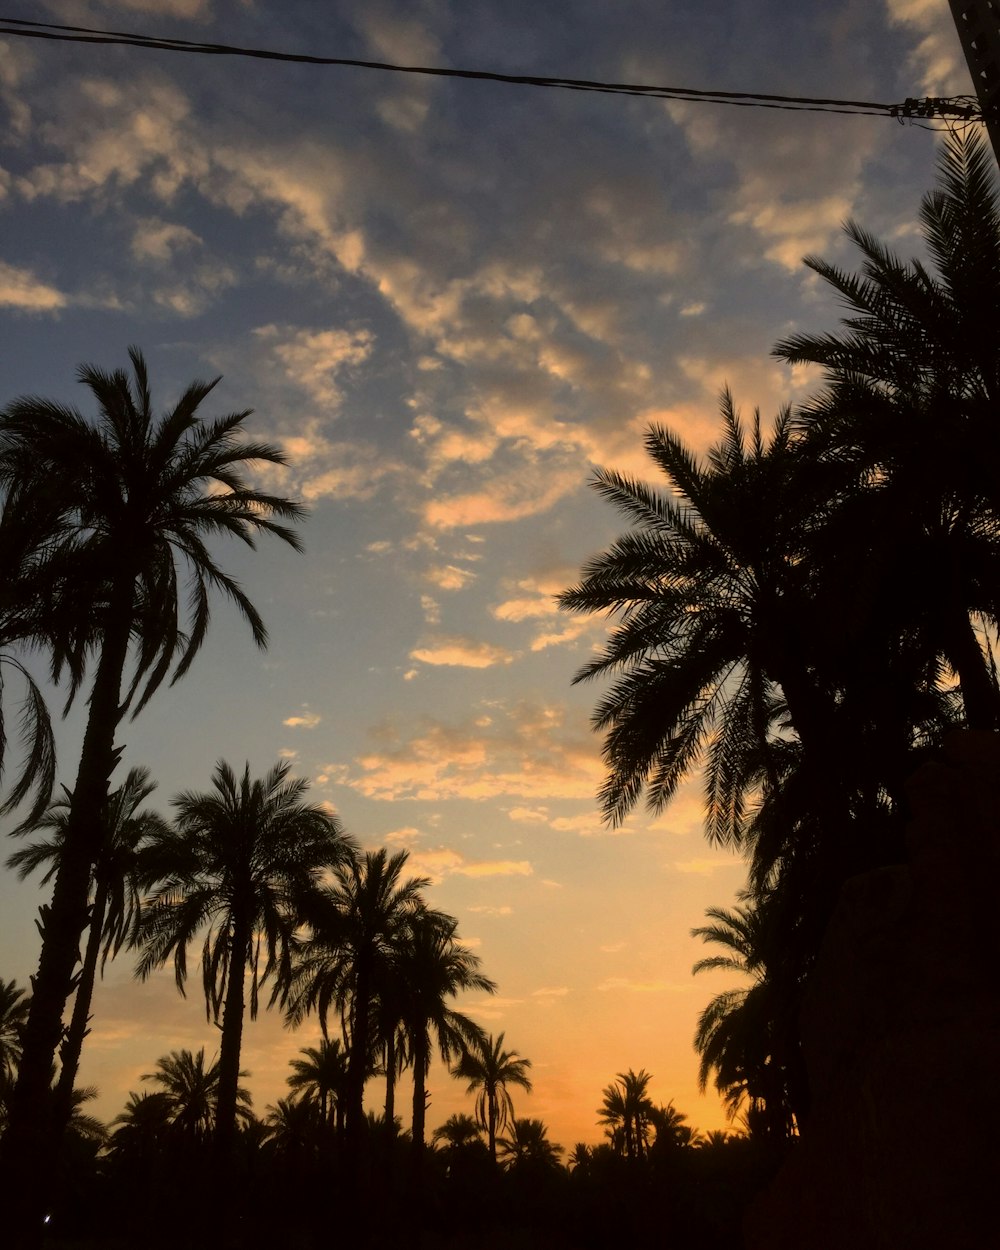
(448, 302)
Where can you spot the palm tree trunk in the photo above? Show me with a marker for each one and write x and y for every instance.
(72, 1046)
(390, 1080)
(492, 1128)
(231, 1046)
(420, 1066)
(28, 1143)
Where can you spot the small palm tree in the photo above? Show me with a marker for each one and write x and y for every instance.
(626, 1112)
(458, 1132)
(489, 1069)
(321, 1076)
(190, 1091)
(743, 1034)
(528, 1148)
(241, 860)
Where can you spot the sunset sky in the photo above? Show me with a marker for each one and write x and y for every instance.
(449, 301)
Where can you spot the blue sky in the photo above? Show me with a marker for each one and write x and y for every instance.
(448, 301)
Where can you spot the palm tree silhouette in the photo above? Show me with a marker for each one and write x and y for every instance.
(709, 588)
(458, 1132)
(528, 1147)
(914, 370)
(488, 1068)
(321, 1075)
(626, 1112)
(744, 1035)
(190, 1093)
(114, 906)
(135, 497)
(355, 925)
(434, 967)
(13, 1014)
(240, 860)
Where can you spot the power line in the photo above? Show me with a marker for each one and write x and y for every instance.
(963, 108)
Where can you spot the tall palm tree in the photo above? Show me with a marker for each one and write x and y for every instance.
(355, 924)
(710, 588)
(114, 905)
(433, 968)
(241, 861)
(908, 410)
(135, 496)
(489, 1069)
(748, 1036)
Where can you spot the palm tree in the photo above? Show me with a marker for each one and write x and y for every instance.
(626, 1112)
(528, 1148)
(355, 925)
(322, 1076)
(458, 1132)
(749, 1037)
(710, 588)
(434, 967)
(13, 1014)
(240, 860)
(114, 906)
(917, 369)
(191, 1093)
(30, 619)
(488, 1068)
(135, 497)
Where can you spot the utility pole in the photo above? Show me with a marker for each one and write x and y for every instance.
(978, 24)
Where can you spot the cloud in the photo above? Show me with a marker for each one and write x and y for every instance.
(551, 991)
(441, 862)
(307, 720)
(20, 289)
(614, 984)
(160, 241)
(484, 909)
(527, 751)
(313, 360)
(449, 577)
(461, 653)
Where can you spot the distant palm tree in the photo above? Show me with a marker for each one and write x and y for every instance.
(528, 1147)
(132, 498)
(321, 1076)
(295, 1127)
(114, 906)
(355, 924)
(13, 1014)
(433, 967)
(241, 860)
(190, 1092)
(489, 1069)
(626, 1111)
(458, 1132)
